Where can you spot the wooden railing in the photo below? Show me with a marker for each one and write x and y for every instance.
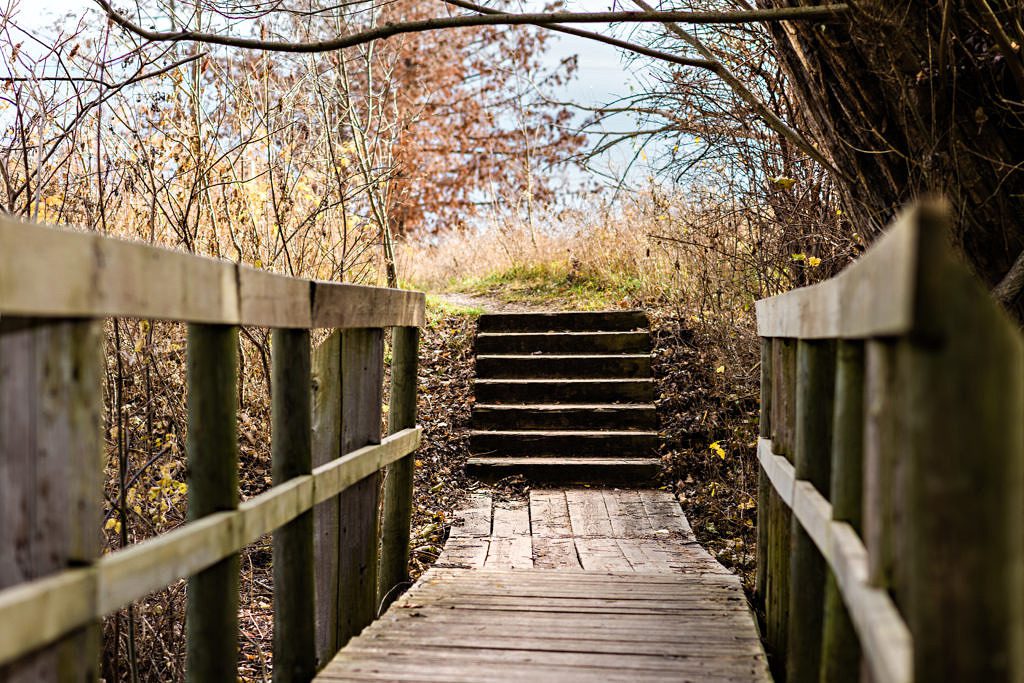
(892, 483)
(337, 557)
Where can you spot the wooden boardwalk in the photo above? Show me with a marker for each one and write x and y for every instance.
(572, 585)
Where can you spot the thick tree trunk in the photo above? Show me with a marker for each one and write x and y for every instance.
(910, 98)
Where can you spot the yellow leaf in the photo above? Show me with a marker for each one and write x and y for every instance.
(813, 261)
(720, 369)
(784, 182)
(717, 449)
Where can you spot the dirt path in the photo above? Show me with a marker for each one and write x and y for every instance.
(488, 304)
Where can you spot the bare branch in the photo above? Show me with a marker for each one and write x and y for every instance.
(590, 35)
(770, 118)
(387, 30)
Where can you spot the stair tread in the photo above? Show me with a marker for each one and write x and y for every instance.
(563, 380)
(561, 407)
(564, 356)
(555, 459)
(564, 432)
(566, 333)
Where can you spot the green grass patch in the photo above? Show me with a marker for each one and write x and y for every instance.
(436, 306)
(554, 284)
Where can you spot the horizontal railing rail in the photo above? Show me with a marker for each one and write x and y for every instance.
(52, 272)
(891, 451)
(340, 529)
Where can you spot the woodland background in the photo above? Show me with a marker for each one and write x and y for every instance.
(451, 161)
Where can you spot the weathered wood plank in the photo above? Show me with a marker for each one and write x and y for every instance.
(588, 515)
(396, 516)
(549, 514)
(961, 472)
(326, 444)
(50, 493)
(841, 652)
(292, 456)
(362, 375)
(211, 611)
(812, 462)
(848, 306)
(107, 277)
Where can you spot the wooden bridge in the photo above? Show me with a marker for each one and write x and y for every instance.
(890, 516)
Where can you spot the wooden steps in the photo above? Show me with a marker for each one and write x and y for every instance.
(564, 397)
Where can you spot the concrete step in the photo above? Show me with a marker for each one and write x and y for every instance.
(575, 321)
(589, 470)
(564, 390)
(558, 416)
(491, 343)
(567, 443)
(621, 366)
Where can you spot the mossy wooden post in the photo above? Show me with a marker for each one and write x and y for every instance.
(841, 653)
(362, 376)
(764, 487)
(815, 387)
(326, 391)
(881, 450)
(963, 374)
(398, 480)
(211, 619)
(291, 448)
(51, 472)
(783, 419)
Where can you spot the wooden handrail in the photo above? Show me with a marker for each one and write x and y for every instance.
(70, 599)
(891, 451)
(325, 505)
(50, 272)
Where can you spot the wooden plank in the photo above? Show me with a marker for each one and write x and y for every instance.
(211, 609)
(841, 652)
(292, 456)
(848, 306)
(587, 514)
(665, 513)
(326, 444)
(337, 305)
(107, 277)
(629, 517)
(140, 569)
(50, 493)
(960, 473)
(474, 518)
(763, 487)
(269, 300)
(883, 634)
(362, 375)
(549, 514)
(396, 515)
(811, 463)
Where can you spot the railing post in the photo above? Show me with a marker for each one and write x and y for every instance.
(291, 433)
(398, 481)
(815, 386)
(963, 445)
(326, 444)
(764, 487)
(783, 419)
(362, 370)
(211, 620)
(51, 472)
(841, 652)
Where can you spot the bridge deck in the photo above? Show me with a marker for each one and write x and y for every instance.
(573, 585)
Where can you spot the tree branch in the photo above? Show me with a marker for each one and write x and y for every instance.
(387, 30)
(771, 119)
(590, 35)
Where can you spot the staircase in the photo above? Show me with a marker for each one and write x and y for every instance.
(564, 397)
